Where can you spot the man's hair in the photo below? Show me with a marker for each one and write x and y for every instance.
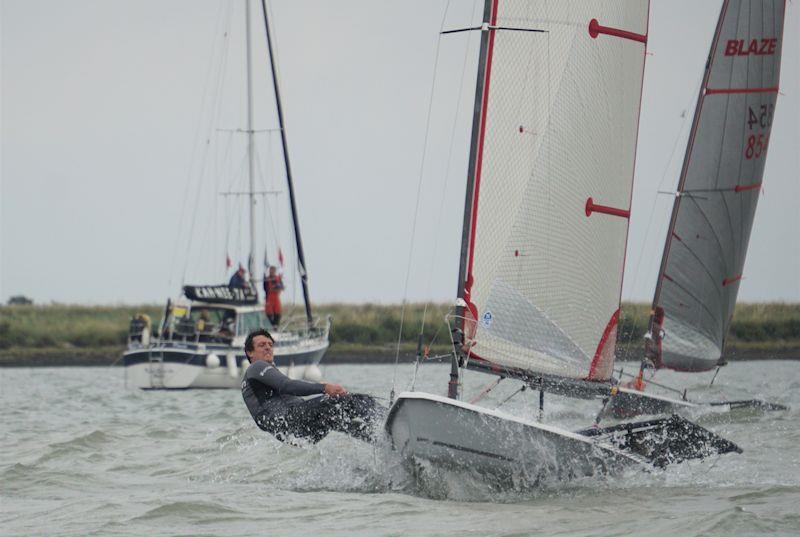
(248, 343)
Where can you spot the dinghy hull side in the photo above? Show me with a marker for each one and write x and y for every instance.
(463, 436)
(628, 403)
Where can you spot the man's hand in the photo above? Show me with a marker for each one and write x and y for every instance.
(334, 390)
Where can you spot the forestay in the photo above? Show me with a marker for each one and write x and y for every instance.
(549, 191)
(719, 187)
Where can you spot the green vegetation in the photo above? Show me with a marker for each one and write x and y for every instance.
(371, 324)
(773, 323)
(62, 326)
(64, 330)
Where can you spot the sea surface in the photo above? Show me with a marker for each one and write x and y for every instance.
(82, 455)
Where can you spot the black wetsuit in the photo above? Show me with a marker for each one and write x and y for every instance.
(274, 400)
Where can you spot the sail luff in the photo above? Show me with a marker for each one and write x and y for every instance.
(489, 12)
(481, 139)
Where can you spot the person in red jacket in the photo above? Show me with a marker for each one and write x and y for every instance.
(273, 285)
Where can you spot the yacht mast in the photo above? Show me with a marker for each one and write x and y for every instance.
(250, 153)
(295, 222)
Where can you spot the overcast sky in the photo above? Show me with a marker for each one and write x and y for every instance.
(111, 113)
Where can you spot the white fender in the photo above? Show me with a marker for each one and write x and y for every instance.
(293, 372)
(146, 336)
(212, 361)
(312, 373)
(230, 360)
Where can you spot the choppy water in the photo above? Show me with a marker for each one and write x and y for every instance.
(80, 455)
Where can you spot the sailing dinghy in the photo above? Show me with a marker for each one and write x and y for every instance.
(543, 245)
(715, 204)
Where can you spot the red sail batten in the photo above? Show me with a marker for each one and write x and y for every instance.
(592, 208)
(728, 281)
(744, 188)
(596, 29)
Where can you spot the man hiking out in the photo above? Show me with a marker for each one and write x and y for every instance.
(276, 404)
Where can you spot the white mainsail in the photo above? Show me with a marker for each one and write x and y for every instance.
(551, 175)
(719, 187)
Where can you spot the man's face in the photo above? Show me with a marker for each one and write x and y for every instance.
(262, 349)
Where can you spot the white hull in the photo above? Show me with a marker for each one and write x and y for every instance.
(460, 435)
(172, 367)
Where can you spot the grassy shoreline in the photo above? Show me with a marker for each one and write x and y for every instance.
(66, 335)
(112, 356)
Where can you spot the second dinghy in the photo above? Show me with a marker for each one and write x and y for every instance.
(715, 204)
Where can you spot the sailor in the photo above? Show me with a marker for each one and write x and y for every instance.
(228, 324)
(276, 404)
(203, 323)
(238, 279)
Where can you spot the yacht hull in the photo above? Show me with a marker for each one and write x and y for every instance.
(167, 367)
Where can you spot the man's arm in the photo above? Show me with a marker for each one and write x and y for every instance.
(271, 377)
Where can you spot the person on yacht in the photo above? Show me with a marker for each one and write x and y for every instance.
(276, 402)
(238, 279)
(273, 285)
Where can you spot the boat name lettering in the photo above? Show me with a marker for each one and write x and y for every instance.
(214, 292)
(220, 293)
(757, 47)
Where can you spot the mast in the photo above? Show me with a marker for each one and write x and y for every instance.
(477, 121)
(250, 154)
(477, 117)
(295, 222)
